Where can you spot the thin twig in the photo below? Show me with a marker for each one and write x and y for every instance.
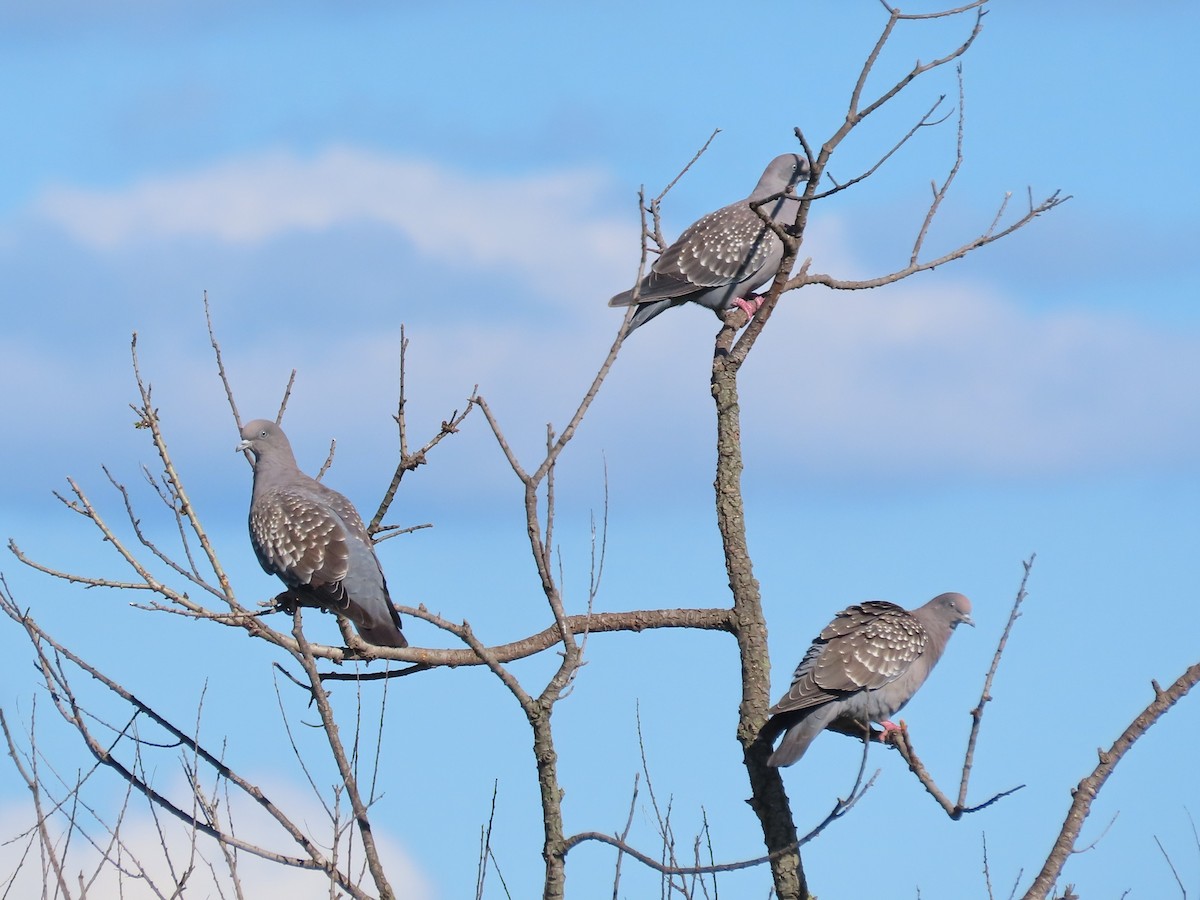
(64, 698)
(216, 346)
(841, 807)
(1171, 866)
(345, 772)
(625, 836)
(985, 695)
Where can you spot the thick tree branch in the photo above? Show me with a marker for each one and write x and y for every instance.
(1084, 794)
(768, 798)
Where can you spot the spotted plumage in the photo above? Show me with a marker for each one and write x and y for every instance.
(724, 256)
(314, 540)
(862, 668)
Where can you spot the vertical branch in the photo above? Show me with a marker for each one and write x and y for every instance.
(345, 770)
(538, 711)
(548, 544)
(768, 798)
(216, 346)
(148, 418)
(986, 694)
(33, 783)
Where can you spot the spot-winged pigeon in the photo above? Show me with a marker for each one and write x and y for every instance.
(313, 538)
(865, 665)
(720, 259)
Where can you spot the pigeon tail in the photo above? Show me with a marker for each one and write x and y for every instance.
(647, 311)
(388, 635)
(801, 734)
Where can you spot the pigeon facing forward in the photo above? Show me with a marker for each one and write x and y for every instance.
(719, 260)
(865, 665)
(313, 538)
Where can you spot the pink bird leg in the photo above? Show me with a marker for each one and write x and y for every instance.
(749, 306)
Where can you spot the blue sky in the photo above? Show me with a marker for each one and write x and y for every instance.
(471, 171)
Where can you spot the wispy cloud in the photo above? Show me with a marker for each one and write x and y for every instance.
(530, 224)
(939, 374)
(928, 378)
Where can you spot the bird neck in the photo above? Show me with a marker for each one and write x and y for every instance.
(273, 467)
(939, 631)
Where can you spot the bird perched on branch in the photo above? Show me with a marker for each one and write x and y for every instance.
(723, 257)
(313, 538)
(863, 668)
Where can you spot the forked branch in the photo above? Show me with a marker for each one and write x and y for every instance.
(956, 809)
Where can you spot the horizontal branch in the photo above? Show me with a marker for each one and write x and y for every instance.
(912, 268)
(593, 623)
(577, 839)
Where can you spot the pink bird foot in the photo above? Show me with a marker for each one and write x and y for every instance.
(890, 728)
(749, 305)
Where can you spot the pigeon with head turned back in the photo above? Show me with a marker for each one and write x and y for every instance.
(863, 668)
(313, 538)
(724, 256)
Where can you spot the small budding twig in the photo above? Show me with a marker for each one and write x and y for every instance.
(410, 462)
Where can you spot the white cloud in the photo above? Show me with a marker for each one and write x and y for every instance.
(511, 223)
(149, 857)
(946, 375)
(910, 381)
(937, 373)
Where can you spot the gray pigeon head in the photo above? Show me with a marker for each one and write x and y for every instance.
(952, 608)
(262, 437)
(784, 171)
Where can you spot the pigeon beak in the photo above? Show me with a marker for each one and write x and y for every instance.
(242, 445)
(968, 620)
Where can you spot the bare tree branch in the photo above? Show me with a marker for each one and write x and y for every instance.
(348, 778)
(985, 695)
(61, 692)
(987, 237)
(409, 462)
(32, 782)
(901, 741)
(1084, 794)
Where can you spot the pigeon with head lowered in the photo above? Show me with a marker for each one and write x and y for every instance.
(313, 538)
(723, 257)
(863, 668)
